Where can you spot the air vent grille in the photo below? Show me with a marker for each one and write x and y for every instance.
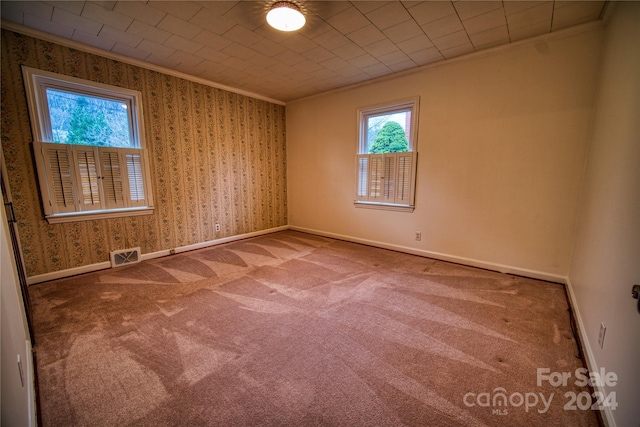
(125, 256)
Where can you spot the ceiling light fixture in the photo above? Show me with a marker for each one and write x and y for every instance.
(285, 16)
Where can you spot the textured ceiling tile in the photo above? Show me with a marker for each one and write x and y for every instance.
(140, 29)
(514, 6)
(576, 13)
(318, 54)
(139, 11)
(308, 66)
(179, 27)
(457, 50)
(207, 19)
(366, 35)
(540, 13)
(331, 39)
(368, 6)
(289, 58)
(238, 51)
(186, 58)
(485, 22)
(181, 9)
(348, 20)
(12, 11)
(430, 11)
(314, 27)
(299, 43)
(211, 54)
(156, 49)
(107, 4)
(442, 27)
(469, 9)
(162, 61)
(349, 51)
(36, 9)
(493, 37)
(415, 44)
(119, 36)
(211, 40)
(388, 15)
(363, 61)
(327, 9)
(335, 64)
(180, 43)
(47, 26)
(268, 47)
(68, 19)
(451, 40)
(426, 56)
(243, 36)
(130, 52)
(262, 61)
(377, 70)
(93, 40)
(108, 17)
(236, 64)
(533, 30)
(249, 14)
(403, 31)
(393, 58)
(401, 66)
(381, 48)
(74, 7)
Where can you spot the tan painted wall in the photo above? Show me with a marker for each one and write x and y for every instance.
(215, 156)
(606, 258)
(501, 145)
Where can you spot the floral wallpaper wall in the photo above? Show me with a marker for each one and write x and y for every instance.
(215, 156)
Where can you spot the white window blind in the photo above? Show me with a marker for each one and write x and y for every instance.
(386, 178)
(135, 174)
(115, 181)
(58, 159)
(112, 182)
(87, 177)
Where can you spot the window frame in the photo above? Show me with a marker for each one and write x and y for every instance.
(36, 84)
(369, 201)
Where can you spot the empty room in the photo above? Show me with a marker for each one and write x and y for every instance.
(332, 213)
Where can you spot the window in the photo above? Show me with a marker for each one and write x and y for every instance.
(89, 148)
(386, 159)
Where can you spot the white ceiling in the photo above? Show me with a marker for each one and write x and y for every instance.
(343, 42)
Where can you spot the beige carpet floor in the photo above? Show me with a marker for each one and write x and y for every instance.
(291, 329)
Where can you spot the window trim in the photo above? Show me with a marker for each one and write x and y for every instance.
(36, 83)
(364, 113)
(389, 107)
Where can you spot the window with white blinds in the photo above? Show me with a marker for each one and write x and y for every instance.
(387, 156)
(89, 148)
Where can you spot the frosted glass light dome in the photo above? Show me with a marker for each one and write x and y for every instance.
(285, 16)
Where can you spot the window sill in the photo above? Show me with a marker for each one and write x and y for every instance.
(93, 215)
(383, 206)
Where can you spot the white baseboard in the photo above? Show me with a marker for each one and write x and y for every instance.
(592, 366)
(443, 257)
(32, 280)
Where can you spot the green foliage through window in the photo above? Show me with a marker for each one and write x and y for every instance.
(390, 139)
(88, 120)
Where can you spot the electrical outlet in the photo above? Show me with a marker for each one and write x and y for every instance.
(217, 227)
(603, 330)
(418, 235)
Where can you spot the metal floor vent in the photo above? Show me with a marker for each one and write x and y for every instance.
(125, 256)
